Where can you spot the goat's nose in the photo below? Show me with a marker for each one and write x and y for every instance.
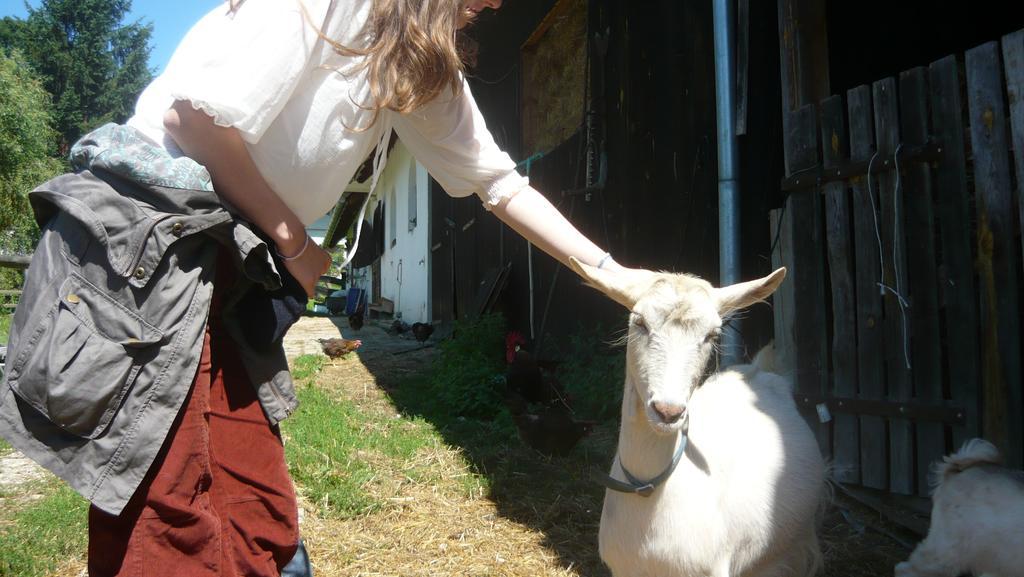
(668, 412)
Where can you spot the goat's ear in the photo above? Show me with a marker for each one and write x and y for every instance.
(741, 295)
(623, 288)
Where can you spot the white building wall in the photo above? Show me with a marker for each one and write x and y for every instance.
(318, 230)
(405, 265)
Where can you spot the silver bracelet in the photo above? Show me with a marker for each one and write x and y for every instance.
(297, 255)
(604, 259)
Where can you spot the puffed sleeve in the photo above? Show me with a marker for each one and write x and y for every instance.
(450, 138)
(242, 67)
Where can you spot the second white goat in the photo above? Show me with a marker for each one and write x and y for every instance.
(977, 521)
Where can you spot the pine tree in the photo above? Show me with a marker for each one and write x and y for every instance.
(89, 60)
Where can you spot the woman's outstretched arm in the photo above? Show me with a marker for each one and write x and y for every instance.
(530, 214)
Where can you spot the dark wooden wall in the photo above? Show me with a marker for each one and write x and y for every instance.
(655, 96)
(901, 228)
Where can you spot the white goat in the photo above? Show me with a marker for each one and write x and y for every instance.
(977, 518)
(743, 499)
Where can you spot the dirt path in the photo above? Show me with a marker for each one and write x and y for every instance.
(17, 470)
(302, 338)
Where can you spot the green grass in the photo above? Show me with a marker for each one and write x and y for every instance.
(336, 450)
(37, 536)
(5, 326)
(35, 540)
(307, 366)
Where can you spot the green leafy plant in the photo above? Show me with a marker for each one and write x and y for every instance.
(466, 379)
(591, 372)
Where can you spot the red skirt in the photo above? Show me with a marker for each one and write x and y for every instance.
(218, 500)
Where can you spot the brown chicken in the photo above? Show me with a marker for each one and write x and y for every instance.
(338, 348)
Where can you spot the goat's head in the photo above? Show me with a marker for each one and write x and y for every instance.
(674, 322)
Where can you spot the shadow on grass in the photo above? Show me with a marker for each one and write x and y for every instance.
(554, 496)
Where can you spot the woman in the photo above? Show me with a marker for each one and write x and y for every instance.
(281, 101)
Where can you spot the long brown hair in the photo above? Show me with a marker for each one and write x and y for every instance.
(411, 55)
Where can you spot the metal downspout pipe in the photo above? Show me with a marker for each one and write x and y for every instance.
(728, 183)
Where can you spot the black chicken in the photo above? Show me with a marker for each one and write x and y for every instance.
(355, 320)
(422, 331)
(552, 431)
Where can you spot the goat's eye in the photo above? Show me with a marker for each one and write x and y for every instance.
(712, 335)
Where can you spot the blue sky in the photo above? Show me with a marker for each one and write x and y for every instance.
(170, 19)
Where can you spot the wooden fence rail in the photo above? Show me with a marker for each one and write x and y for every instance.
(9, 297)
(902, 326)
(18, 261)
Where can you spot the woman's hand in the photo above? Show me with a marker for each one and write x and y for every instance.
(309, 266)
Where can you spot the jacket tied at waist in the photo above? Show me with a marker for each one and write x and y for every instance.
(109, 330)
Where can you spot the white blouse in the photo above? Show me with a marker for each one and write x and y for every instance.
(265, 71)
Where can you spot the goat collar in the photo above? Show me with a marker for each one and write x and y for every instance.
(643, 488)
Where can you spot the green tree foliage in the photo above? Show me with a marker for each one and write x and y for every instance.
(92, 64)
(26, 145)
(12, 30)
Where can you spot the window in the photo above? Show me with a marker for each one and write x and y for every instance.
(554, 61)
